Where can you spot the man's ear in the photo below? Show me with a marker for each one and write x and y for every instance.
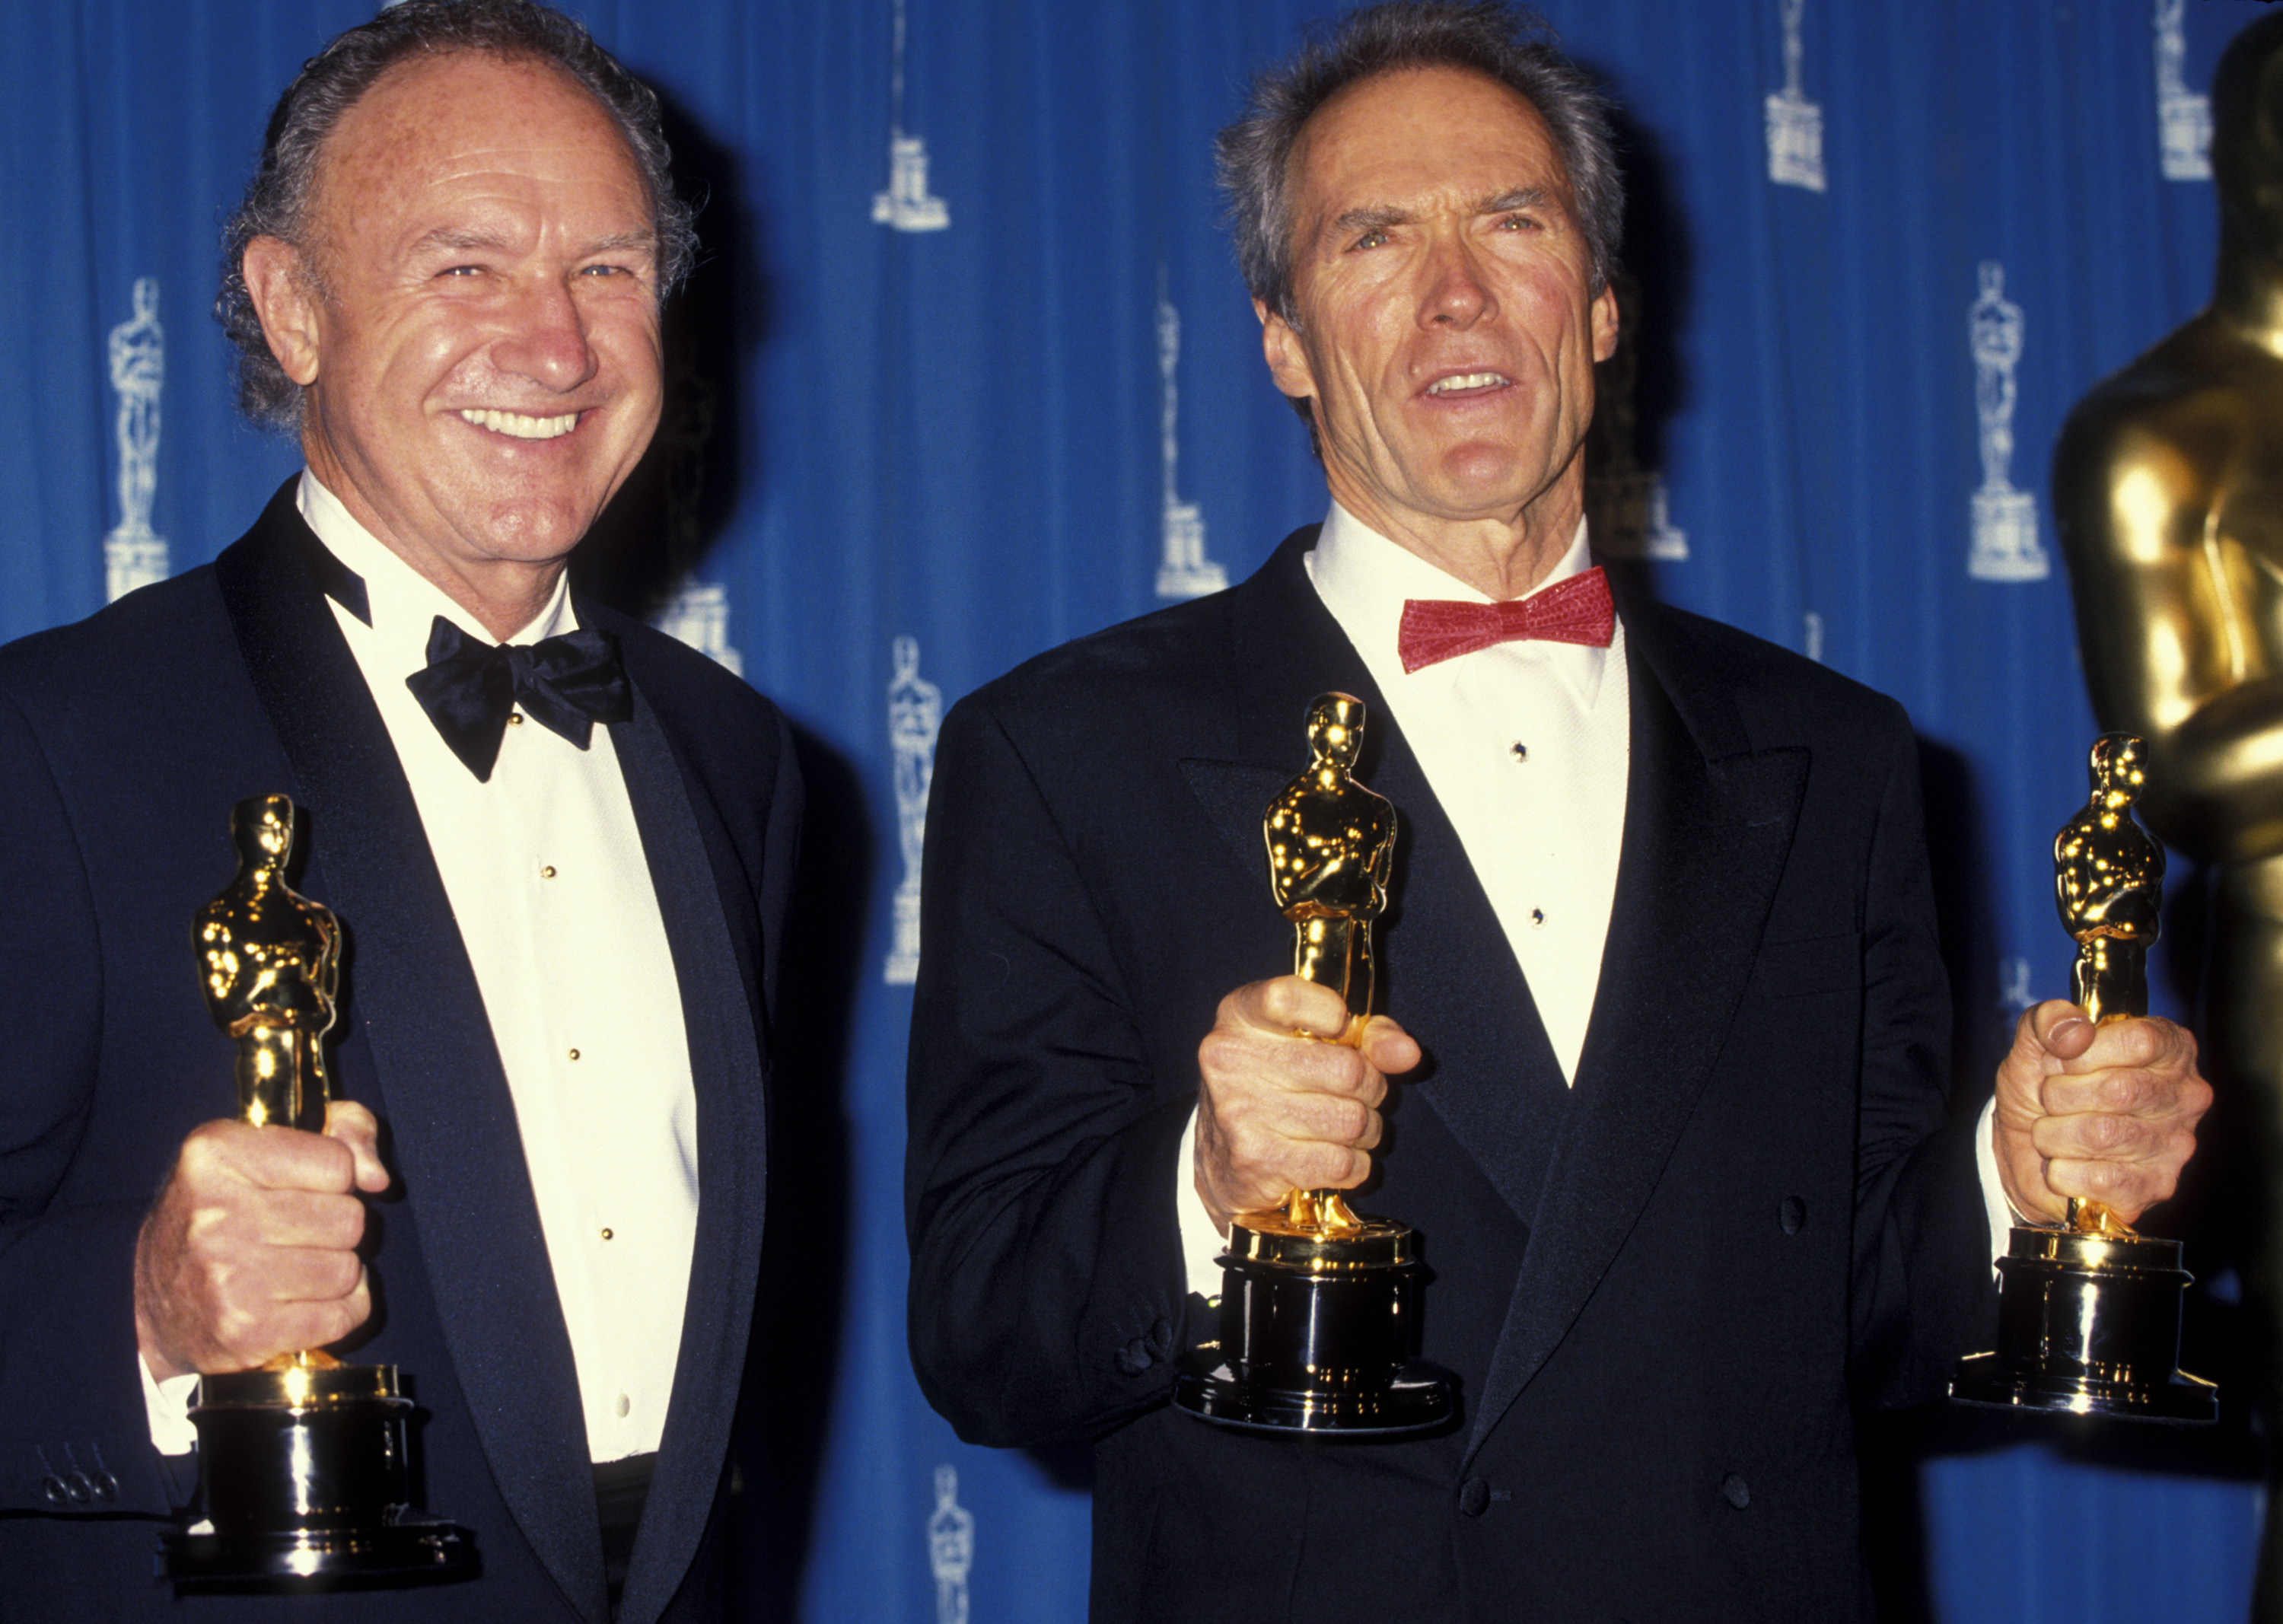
(1605, 323)
(285, 298)
(1286, 357)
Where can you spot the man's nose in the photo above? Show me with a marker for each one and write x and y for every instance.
(547, 338)
(1456, 291)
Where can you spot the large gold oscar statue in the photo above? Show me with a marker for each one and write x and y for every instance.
(2168, 485)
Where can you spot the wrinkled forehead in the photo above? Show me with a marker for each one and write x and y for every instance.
(433, 112)
(1420, 120)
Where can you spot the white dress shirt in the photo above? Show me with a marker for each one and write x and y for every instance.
(1526, 745)
(545, 869)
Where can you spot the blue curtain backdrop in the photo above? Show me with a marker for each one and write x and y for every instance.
(968, 372)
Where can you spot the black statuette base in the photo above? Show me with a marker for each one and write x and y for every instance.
(1316, 1334)
(303, 1475)
(2089, 1324)
(390, 1552)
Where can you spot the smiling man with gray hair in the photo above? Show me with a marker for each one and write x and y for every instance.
(559, 843)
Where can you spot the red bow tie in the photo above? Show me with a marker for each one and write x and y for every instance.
(1573, 611)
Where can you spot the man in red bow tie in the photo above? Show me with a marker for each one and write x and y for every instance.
(1660, 979)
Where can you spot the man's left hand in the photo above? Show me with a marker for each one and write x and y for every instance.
(2104, 1112)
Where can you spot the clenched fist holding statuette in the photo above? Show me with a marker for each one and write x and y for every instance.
(2089, 1313)
(1318, 1307)
(303, 1469)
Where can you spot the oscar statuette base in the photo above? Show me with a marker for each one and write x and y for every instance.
(2089, 1324)
(303, 1475)
(1315, 1336)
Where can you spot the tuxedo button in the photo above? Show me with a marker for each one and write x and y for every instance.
(78, 1487)
(1792, 1214)
(1133, 1358)
(105, 1487)
(1474, 1497)
(1735, 1491)
(52, 1490)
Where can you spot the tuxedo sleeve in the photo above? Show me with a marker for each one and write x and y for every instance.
(74, 1433)
(1923, 1295)
(1046, 1283)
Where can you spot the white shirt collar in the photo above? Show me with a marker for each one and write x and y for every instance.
(1365, 579)
(404, 602)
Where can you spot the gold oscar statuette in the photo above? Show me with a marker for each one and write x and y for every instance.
(2089, 1312)
(303, 1472)
(1319, 1306)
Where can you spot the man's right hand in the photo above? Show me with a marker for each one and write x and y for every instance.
(1284, 1103)
(251, 1249)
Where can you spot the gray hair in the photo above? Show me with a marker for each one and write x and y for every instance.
(1490, 37)
(280, 199)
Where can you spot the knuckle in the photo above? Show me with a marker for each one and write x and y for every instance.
(344, 1221)
(1216, 1056)
(342, 1274)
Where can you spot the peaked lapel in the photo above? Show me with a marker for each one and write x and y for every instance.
(1709, 822)
(694, 872)
(447, 1103)
(1446, 971)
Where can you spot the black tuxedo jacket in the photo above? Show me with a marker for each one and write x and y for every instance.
(124, 740)
(1664, 1293)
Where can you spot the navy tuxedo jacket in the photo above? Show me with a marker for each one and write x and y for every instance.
(124, 740)
(1665, 1294)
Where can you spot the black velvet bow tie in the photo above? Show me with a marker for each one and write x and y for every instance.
(567, 683)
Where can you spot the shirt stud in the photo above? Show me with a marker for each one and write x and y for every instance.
(546, 871)
(574, 1054)
(515, 719)
(1536, 918)
(606, 1235)
(1521, 751)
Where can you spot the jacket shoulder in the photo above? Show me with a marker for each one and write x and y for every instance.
(159, 633)
(1184, 644)
(717, 717)
(1777, 691)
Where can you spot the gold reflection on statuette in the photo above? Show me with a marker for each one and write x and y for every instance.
(2109, 883)
(270, 963)
(1331, 849)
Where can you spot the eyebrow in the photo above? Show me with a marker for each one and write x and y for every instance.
(1521, 197)
(455, 239)
(1357, 220)
(647, 241)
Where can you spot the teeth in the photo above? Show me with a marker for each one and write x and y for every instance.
(521, 426)
(1469, 380)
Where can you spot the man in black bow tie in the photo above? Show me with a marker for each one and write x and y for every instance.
(560, 845)
(1662, 1042)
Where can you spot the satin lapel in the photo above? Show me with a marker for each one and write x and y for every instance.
(719, 1015)
(1447, 973)
(445, 1099)
(1707, 826)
